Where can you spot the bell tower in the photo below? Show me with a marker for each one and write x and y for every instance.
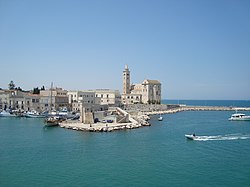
(126, 80)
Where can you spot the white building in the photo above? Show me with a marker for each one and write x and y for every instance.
(78, 99)
(108, 97)
(94, 100)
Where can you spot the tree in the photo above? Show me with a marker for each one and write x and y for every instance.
(19, 89)
(36, 90)
(11, 85)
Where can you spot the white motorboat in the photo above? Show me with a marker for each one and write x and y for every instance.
(5, 113)
(190, 136)
(239, 117)
(160, 118)
(33, 114)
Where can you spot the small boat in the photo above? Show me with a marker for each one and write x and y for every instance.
(53, 121)
(190, 136)
(33, 114)
(239, 117)
(6, 113)
(160, 118)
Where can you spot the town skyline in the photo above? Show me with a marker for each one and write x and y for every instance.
(196, 49)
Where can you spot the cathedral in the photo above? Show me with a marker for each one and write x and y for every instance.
(149, 92)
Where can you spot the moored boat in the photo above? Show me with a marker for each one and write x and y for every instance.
(53, 121)
(33, 114)
(6, 113)
(239, 117)
(160, 118)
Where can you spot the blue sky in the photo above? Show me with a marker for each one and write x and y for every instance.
(198, 49)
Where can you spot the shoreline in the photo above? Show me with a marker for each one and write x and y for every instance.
(198, 108)
(140, 118)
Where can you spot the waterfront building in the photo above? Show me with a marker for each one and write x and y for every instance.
(147, 92)
(12, 99)
(108, 97)
(86, 99)
(53, 99)
(19, 100)
(32, 102)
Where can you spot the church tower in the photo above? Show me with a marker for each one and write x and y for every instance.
(126, 80)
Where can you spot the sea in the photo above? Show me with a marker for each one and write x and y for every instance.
(158, 155)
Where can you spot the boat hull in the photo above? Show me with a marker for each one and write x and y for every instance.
(190, 137)
(239, 119)
(34, 116)
(7, 114)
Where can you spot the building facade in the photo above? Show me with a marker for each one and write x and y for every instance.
(147, 92)
(19, 100)
(78, 99)
(53, 99)
(108, 97)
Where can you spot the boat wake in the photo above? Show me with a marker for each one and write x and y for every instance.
(223, 137)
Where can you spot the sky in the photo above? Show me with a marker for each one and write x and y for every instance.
(197, 49)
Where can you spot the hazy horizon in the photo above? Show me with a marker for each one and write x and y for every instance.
(198, 50)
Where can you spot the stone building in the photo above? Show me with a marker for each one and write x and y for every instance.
(19, 100)
(147, 92)
(108, 97)
(93, 100)
(86, 99)
(53, 99)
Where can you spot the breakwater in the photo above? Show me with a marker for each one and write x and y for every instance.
(102, 127)
(182, 108)
(139, 115)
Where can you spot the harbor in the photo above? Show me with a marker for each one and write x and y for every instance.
(140, 117)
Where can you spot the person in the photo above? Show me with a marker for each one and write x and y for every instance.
(194, 135)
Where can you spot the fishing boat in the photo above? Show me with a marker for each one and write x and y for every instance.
(239, 117)
(53, 121)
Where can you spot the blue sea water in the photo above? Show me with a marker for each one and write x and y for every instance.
(159, 155)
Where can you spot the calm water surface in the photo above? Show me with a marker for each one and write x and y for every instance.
(31, 155)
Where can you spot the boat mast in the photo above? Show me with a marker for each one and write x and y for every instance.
(51, 97)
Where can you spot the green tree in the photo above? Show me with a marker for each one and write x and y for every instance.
(36, 90)
(11, 85)
(19, 89)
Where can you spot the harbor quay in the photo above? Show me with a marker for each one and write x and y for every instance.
(182, 108)
(101, 127)
(138, 116)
